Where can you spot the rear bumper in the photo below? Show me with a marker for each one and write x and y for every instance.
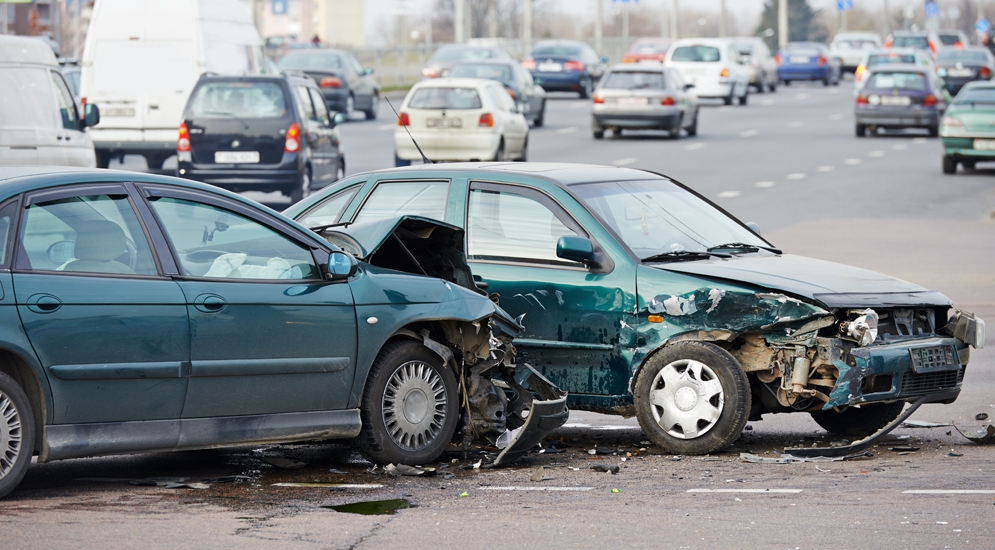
(135, 147)
(814, 73)
(902, 118)
(712, 88)
(281, 177)
(664, 121)
(566, 81)
(963, 148)
(463, 146)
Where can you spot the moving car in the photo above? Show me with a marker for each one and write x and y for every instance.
(523, 89)
(644, 97)
(966, 129)
(260, 133)
(643, 298)
(762, 65)
(958, 66)
(345, 84)
(565, 66)
(924, 41)
(898, 97)
(149, 314)
(40, 123)
(454, 119)
(713, 66)
(807, 61)
(850, 47)
(648, 49)
(901, 56)
(445, 57)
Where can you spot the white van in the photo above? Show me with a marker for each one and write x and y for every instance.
(142, 59)
(39, 121)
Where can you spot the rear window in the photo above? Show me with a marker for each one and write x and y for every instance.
(462, 53)
(556, 51)
(888, 59)
(910, 42)
(696, 54)
(632, 80)
(900, 81)
(305, 61)
(744, 48)
(949, 39)
(237, 100)
(445, 98)
(963, 56)
(488, 72)
(650, 47)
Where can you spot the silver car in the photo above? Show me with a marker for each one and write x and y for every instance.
(644, 96)
(759, 60)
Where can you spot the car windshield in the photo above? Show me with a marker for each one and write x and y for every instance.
(891, 58)
(657, 216)
(855, 44)
(633, 80)
(900, 81)
(237, 100)
(650, 47)
(488, 71)
(463, 53)
(973, 57)
(556, 51)
(971, 96)
(304, 61)
(696, 54)
(445, 98)
(920, 42)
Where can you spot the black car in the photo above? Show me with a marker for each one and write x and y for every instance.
(260, 133)
(958, 66)
(565, 66)
(346, 85)
(528, 94)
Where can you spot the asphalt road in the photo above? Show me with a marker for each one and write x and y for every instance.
(788, 161)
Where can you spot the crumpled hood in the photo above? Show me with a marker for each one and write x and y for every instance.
(829, 283)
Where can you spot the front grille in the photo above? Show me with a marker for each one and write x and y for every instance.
(918, 384)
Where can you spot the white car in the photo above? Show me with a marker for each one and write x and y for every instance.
(714, 66)
(850, 47)
(460, 119)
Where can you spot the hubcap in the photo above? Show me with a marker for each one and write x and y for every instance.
(414, 405)
(10, 435)
(686, 399)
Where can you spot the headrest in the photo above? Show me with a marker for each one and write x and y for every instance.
(99, 241)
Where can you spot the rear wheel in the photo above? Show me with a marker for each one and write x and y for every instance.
(934, 131)
(598, 134)
(693, 128)
(859, 421)
(541, 117)
(949, 165)
(968, 164)
(728, 100)
(371, 113)
(525, 151)
(787, 83)
(17, 434)
(340, 172)
(103, 159)
(745, 97)
(499, 154)
(861, 130)
(350, 106)
(585, 92)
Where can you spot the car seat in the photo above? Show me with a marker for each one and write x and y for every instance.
(98, 244)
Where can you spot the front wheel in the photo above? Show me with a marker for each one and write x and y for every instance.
(949, 165)
(17, 434)
(692, 398)
(371, 113)
(693, 128)
(410, 406)
(859, 421)
(745, 97)
(540, 119)
(499, 154)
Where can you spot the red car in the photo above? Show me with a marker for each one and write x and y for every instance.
(648, 49)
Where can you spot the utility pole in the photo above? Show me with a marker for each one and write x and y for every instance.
(76, 23)
(459, 22)
(527, 26)
(782, 23)
(598, 16)
(625, 25)
(723, 18)
(675, 20)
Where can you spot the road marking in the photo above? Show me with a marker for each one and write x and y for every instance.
(624, 162)
(796, 176)
(385, 127)
(919, 140)
(802, 95)
(950, 492)
(530, 488)
(876, 154)
(834, 91)
(729, 194)
(824, 169)
(796, 124)
(837, 116)
(764, 184)
(567, 130)
(726, 108)
(748, 133)
(851, 162)
(793, 491)
(694, 146)
(899, 147)
(767, 102)
(615, 427)
(575, 425)
(579, 105)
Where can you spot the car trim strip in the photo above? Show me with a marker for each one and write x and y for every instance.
(118, 371)
(255, 367)
(552, 344)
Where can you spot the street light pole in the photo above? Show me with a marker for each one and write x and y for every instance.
(598, 16)
(723, 17)
(527, 26)
(625, 24)
(459, 22)
(782, 23)
(675, 20)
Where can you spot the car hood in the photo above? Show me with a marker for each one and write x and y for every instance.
(828, 283)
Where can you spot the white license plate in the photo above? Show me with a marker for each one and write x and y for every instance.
(633, 101)
(550, 67)
(444, 122)
(960, 72)
(236, 157)
(116, 112)
(896, 100)
(800, 59)
(984, 144)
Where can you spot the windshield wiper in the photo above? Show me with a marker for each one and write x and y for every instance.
(320, 228)
(745, 247)
(684, 256)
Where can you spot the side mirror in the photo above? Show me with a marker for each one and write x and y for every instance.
(91, 115)
(604, 59)
(367, 71)
(341, 265)
(575, 249)
(688, 86)
(753, 227)
(337, 118)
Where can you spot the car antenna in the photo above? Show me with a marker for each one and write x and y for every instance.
(423, 157)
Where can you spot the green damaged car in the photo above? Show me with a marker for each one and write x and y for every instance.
(968, 127)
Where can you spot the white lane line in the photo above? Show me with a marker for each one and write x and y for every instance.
(851, 162)
(825, 169)
(899, 147)
(802, 95)
(385, 127)
(919, 140)
(615, 427)
(764, 184)
(837, 116)
(796, 176)
(794, 491)
(796, 124)
(767, 102)
(729, 194)
(575, 425)
(530, 488)
(749, 133)
(567, 130)
(876, 154)
(695, 146)
(950, 492)
(624, 162)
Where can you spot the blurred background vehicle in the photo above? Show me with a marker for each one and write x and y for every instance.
(953, 38)
(460, 119)
(345, 84)
(39, 119)
(713, 66)
(523, 89)
(71, 71)
(808, 61)
(648, 49)
(892, 56)
(260, 133)
(758, 59)
(445, 57)
(899, 97)
(850, 48)
(565, 66)
(966, 130)
(644, 96)
(958, 66)
(919, 40)
(278, 45)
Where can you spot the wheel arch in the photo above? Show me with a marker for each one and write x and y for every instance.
(25, 373)
(720, 338)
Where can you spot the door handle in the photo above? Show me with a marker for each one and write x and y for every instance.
(44, 303)
(209, 303)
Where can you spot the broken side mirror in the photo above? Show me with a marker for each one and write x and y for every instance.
(341, 265)
(575, 249)
(753, 227)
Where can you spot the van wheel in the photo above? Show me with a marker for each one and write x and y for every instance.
(17, 434)
(861, 130)
(729, 100)
(745, 97)
(692, 398)
(859, 421)
(410, 406)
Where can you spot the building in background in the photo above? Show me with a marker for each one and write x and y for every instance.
(339, 23)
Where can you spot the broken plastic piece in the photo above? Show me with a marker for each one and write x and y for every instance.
(340, 486)
(606, 468)
(283, 463)
(983, 436)
(857, 445)
(405, 470)
(923, 424)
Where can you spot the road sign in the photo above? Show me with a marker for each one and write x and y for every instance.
(844, 5)
(932, 10)
(982, 25)
(280, 7)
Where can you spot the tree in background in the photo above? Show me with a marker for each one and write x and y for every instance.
(804, 23)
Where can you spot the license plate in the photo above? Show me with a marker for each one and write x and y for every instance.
(896, 100)
(550, 67)
(118, 112)
(984, 144)
(444, 122)
(236, 157)
(960, 72)
(633, 101)
(934, 358)
(800, 59)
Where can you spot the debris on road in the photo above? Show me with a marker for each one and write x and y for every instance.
(283, 463)
(405, 470)
(539, 475)
(373, 507)
(982, 436)
(924, 424)
(605, 468)
(981, 416)
(616, 490)
(792, 459)
(905, 449)
(951, 453)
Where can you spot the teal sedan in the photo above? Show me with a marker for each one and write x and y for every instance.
(640, 297)
(141, 313)
(968, 128)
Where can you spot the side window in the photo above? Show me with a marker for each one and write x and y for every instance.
(217, 243)
(413, 198)
(67, 106)
(319, 106)
(675, 79)
(355, 64)
(501, 98)
(6, 218)
(524, 76)
(305, 99)
(512, 227)
(85, 234)
(329, 211)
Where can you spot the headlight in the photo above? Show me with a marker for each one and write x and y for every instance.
(950, 122)
(968, 328)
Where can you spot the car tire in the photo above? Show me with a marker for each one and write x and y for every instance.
(525, 151)
(298, 193)
(400, 425)
(675, 133)
(694, 369)
(773, 86)
(861, 130)
(760, 86)
(398, 161)
(693, 128)
(968, 164)
(340, 172)
(934, 131)
(103, 159)
(17, 434)
(598, 134)
(745, 97)
(499, 154)
(585, 92)
(787, 83)
(949, 165)
(540, 119)
(728, 100)
(859, 421)
(371, 113)
(827, 81)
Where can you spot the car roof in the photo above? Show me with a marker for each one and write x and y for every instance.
(307, 51)
(702, 41)
(856, 34)
(896, 51)
(19, 179)
(806, 43)
(559, 43)
(557, 173)
(489, 61)
(20, 49)
(898, 68)
(642, 67)
(283, 77)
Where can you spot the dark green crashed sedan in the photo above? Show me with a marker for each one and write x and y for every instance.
(640, 297)
(141, 313)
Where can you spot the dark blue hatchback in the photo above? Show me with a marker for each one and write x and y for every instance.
(807, 61)
(565, 66)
